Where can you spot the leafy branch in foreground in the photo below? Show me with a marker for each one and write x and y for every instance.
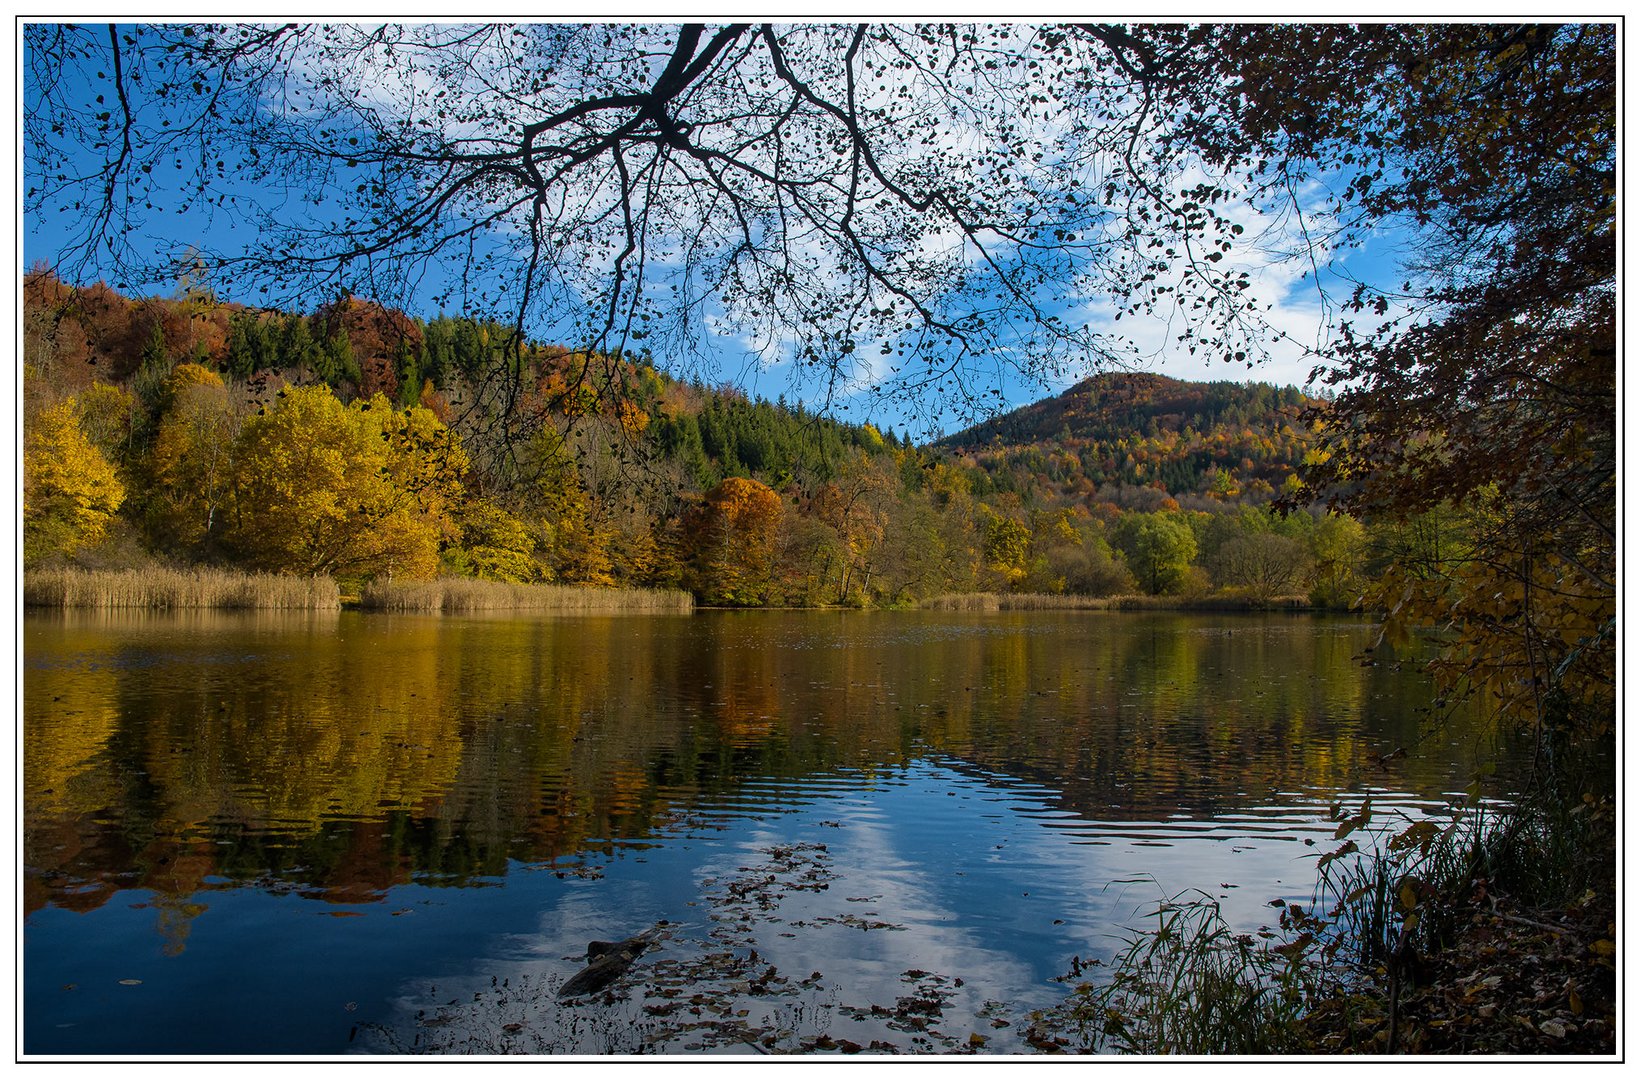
(925, 210)
(1484, 420)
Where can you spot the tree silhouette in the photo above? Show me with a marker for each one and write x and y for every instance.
(906, 208)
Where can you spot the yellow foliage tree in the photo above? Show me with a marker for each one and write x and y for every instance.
(190, 462)
(495, 545)
(1007, 545)
(70, 491)
(356, 491)
(578, 543)
(105, 414)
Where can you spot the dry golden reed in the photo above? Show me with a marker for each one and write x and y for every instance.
(158, 587)
(455, 596)
(1017, 602)
(987, 602)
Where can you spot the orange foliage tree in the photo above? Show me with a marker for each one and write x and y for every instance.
(380, 337)
(733, 534)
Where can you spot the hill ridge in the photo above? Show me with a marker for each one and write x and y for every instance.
(1218, 440)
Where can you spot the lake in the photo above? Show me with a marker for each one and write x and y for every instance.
(332, 833)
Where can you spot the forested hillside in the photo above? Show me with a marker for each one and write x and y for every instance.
(1222, 441)
(362, 442)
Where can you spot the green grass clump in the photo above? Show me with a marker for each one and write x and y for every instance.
(1191, 985)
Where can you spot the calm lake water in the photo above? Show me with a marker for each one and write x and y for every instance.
(338, 833)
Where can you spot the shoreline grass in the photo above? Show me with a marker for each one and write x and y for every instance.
(457, 596)
(996, 602)
(164, 588)
(1391, 953)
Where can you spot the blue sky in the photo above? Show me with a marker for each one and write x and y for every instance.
(1296, 310)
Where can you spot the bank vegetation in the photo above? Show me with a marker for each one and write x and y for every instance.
(460, 596)
(165, 588)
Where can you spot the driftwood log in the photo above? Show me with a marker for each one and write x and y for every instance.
(608, 961)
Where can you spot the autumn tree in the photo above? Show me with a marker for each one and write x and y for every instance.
(70, 491)
(855, 508)
(360, 490)
(106, 415)
(495, 545)
(928, 548)
(733, 534)
(576, 543)
(1263, 565)
(1339, 546)
(189, 466)
(1490, 395)
(1074, 555)
(55, 342)
(1006, 545)
(809, 560)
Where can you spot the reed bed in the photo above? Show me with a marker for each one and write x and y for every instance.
(986, 602)
(455, 596)
(991, 602)
(162, 588)
(1212, 603)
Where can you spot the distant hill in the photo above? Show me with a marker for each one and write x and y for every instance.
(1110, 434)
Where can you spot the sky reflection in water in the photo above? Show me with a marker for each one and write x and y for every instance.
(330, 834)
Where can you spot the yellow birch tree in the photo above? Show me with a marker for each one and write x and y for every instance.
(70, 491)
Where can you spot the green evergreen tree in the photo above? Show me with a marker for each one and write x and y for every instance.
(297, 348)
